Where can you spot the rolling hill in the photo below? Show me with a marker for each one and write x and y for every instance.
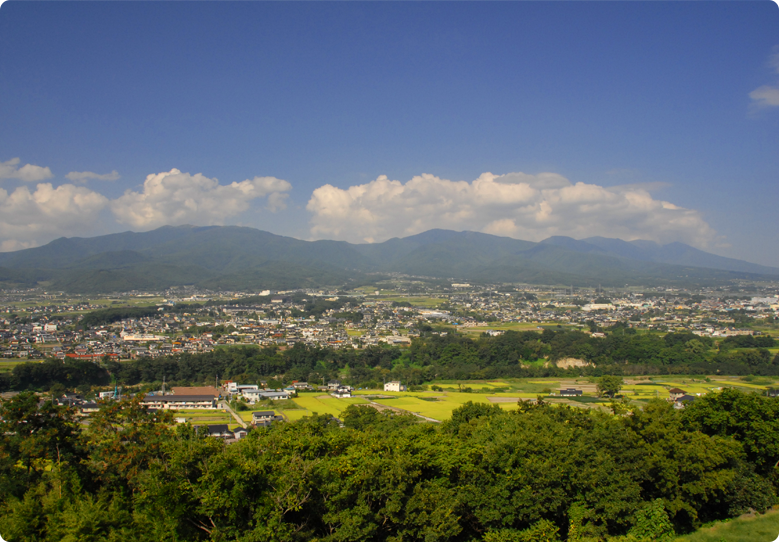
(238, 258)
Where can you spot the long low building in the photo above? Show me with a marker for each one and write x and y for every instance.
(168, 402)
(256, 395)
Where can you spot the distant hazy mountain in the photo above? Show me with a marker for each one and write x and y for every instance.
(672, 253)
(238, 258)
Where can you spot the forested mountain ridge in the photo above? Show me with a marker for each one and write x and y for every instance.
(239, 258)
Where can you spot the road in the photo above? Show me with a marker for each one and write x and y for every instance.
(235, 414)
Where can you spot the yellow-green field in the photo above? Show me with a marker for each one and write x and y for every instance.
(441, 409)
(475, 384)
(8, 366)
(205, 417)
(294, 415)
(446, 401)
(322, 404)
(689, 387)
(645, 391)
(738, 384)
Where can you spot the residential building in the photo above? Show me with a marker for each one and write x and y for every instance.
(395, 385)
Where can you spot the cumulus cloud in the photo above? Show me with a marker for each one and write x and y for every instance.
(176, 198)
(27, 216)
(765, 96)
(84, 176)
(28, 172)
(768, 95)
(530, 207)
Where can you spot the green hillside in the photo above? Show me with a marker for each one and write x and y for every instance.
(239, 258)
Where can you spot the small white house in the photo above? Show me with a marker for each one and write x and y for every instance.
(343, 391)
(395, 385)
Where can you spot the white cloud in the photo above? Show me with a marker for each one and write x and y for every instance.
(28, 172)
(83, 176)
(767, 95)
(518, 205)
(176, 198)
(28, 217)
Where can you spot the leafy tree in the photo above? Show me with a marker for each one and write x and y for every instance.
(750, 418)
(125, 438)
(471, 411)
(36, 437)
(652, 524)
(609, 385)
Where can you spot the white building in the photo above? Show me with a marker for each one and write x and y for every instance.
(395, 385)
(598, 307)
(235, 388)
(256, 395)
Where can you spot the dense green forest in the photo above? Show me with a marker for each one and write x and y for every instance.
(431, 357)
(540, 473)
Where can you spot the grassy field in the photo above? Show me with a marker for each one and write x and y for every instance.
(294, 415)
(739, 384)
(445, 402)
(645, 391)
(205, 417)
(762, 528)
(8, 366)
(450, 398)
(322, 404)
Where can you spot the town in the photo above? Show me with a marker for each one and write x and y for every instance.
(34, 324)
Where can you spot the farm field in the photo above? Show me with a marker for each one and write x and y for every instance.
(451, 398)
(299, 414)
(644, 391)
(205, 417)
(738, 384)
(8, 366)
(475, 384)
(438, 410)
(441, 409)
(322, 404)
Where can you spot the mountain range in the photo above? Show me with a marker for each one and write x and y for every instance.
(239, 258)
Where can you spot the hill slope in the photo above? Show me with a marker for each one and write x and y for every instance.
(237, 258)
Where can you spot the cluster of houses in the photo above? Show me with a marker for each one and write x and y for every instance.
(274, 322)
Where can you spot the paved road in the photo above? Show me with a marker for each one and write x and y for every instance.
(235, 415)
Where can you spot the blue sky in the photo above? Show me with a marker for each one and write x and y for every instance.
(364, 121)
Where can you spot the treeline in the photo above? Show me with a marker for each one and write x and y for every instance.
(539, 473)
(41, 376)
(431, 357)
(110, 315)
